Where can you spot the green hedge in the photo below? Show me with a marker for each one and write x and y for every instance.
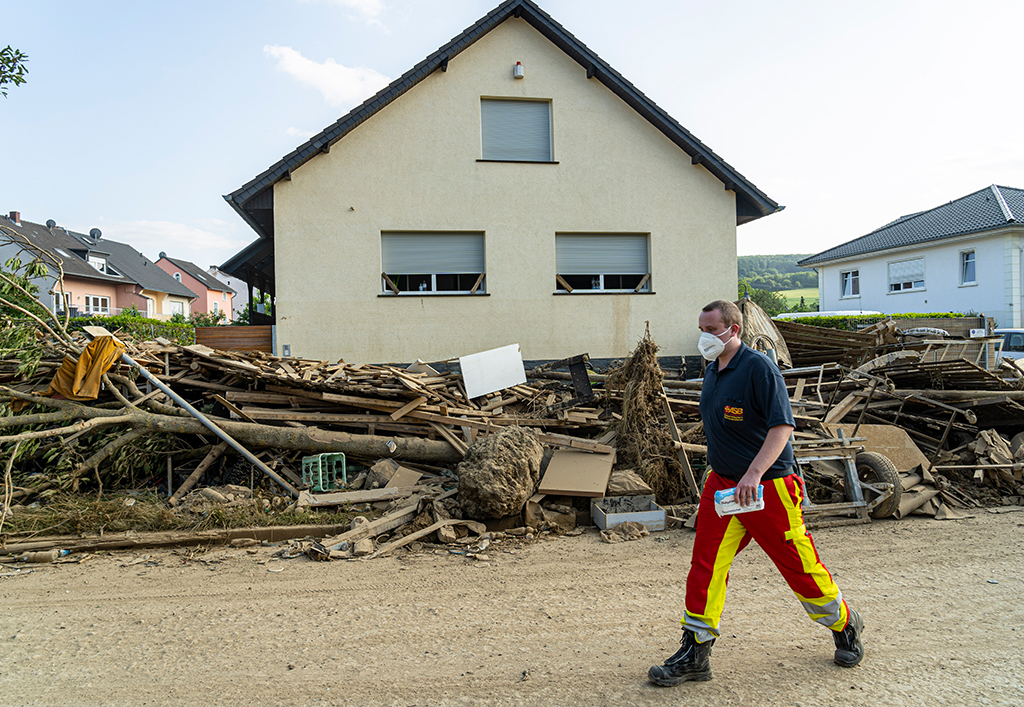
(139, 327)
(855, 322)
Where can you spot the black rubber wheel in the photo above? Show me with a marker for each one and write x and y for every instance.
(873, 467)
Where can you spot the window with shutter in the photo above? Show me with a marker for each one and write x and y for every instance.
(602, 262)
(515, 131)
(906, 275)
(432, 263)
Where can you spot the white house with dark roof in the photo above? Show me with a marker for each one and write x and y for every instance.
(512, 187)
(963, 256)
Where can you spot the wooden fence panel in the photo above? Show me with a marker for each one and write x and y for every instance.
(236, 338)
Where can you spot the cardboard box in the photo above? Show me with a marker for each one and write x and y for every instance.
(611, 511)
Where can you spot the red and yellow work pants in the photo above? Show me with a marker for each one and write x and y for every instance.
(780, 531)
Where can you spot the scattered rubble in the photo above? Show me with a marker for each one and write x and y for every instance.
(430, 466)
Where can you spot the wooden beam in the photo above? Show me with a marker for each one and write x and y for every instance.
(642, 283)
(476, 285)
(563, 283)
(391, 285)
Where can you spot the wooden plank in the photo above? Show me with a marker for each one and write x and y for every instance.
(684, 461)
(412, 405)
(320, 500)
(383, 524)
(233, 408)
(839, 411)
(451, 438)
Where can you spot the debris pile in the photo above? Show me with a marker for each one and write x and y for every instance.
(420, 460)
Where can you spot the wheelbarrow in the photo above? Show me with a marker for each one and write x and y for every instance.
(867, 481)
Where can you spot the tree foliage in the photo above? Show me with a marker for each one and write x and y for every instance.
(244, 317)
(208, 318)
(12, 68)
(771, 302)
(775, 272)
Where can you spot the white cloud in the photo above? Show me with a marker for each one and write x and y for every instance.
(340, 85)
(299, 132)
(203, 246)
(368, 10)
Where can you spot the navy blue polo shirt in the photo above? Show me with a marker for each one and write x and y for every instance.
(738, 406)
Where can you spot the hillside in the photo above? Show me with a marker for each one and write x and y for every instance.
(775, 272)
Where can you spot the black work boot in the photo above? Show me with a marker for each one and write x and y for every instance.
(849, 649)
(691, 662)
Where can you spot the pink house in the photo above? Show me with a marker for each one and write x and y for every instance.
(214, 295)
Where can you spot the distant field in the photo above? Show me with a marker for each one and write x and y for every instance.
(810, 295)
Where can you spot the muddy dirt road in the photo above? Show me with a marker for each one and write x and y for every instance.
(562, 622)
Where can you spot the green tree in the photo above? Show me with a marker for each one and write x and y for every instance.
(771, 302)
(245, 316)
(208, 318)
(12, 68)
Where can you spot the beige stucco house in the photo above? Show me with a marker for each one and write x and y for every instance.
(510, 188)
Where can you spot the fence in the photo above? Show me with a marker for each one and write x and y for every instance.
(237, 338)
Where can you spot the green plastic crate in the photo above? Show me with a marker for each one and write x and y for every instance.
(320, 471)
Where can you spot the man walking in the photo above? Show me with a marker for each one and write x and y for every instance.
(748, 420)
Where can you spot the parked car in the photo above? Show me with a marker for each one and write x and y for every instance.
(1013, 342)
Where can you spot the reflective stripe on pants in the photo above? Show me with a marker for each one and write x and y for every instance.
(780, 531)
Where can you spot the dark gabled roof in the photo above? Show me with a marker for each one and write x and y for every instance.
(254, 201)
(141, 269)
(984, 210)
(198, 273)
(61, 244)
(132, 265)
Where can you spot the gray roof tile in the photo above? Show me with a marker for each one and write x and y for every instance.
(974, 213)
(198, 273)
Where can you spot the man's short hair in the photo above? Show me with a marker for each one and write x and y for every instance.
(728, 311)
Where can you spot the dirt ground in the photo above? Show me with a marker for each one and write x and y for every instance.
(565, 621)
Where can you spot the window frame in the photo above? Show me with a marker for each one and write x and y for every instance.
(485, 157)
(391, 282)
(57, 299)
(97, 263)
(171, 303)
(564, 287)
(962, 261)
(854, 280)
(898, 288)
(91, 308)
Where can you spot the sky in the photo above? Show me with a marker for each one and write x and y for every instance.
(138, 116)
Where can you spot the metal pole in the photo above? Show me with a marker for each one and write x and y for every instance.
(212, 427)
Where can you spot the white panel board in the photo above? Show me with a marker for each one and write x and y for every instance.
(489, 371)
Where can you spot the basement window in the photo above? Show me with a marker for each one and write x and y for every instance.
(432, 263)
(602, 262)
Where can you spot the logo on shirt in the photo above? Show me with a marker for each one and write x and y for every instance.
(733, 413)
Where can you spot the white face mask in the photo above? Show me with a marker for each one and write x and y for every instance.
(710, 346)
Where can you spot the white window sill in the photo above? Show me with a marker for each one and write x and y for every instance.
(434, 294)
(600, 292)
(851, 297)
(903, 292)
(969, 284)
